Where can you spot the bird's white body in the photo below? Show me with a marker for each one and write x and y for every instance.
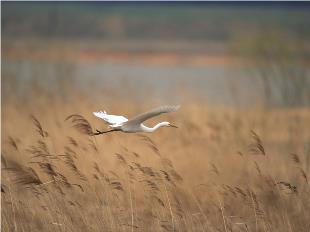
(121, 123)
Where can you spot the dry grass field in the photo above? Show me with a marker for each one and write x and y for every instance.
(222, 170)
(240, 159)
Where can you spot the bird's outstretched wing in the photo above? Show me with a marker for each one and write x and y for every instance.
(145, 116)
(109, 118)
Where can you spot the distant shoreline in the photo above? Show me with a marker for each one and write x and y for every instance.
(148, 52)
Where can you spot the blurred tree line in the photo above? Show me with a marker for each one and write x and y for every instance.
(211, 21)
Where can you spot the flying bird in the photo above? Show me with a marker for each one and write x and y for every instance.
(121, 123)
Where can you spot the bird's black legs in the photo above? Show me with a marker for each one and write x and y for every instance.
(103, 132)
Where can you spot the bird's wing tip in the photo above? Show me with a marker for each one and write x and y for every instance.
(100, 112)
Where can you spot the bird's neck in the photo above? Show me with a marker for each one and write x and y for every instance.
(152, 129)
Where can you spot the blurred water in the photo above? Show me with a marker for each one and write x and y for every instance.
(216, 84)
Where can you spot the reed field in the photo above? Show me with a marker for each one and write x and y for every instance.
(222, 170)
(239, 159)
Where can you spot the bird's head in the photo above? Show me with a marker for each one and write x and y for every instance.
(168, 124)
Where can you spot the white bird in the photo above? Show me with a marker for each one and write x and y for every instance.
(120, 123)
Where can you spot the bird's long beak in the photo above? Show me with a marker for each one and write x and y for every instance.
(173, 126)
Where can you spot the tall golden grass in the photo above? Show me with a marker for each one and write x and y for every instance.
(222, 170)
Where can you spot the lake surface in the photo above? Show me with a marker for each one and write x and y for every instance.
(216, 84)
